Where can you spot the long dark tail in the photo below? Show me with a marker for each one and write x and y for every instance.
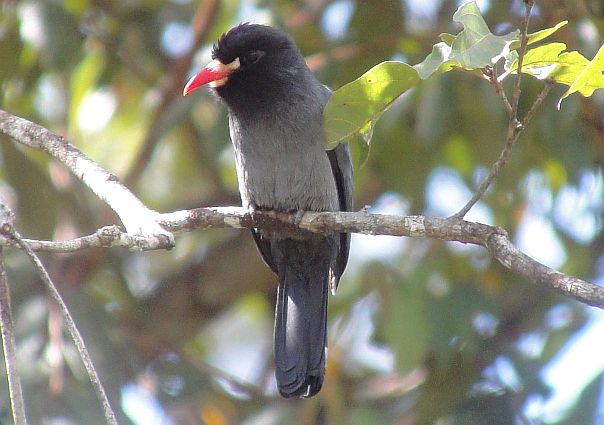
(301, 326)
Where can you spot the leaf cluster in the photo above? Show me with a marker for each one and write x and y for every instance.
(355, 108)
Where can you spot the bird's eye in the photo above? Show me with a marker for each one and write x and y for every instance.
(254, 56)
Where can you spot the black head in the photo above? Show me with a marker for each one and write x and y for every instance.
(250, 42)
(270, 64)
(253, 64)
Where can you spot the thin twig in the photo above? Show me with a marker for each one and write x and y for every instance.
(514, 125)
(105, 237)
(549, 83)
(511, 139)
(9, 231)
(8, 343)
(492, 74)
(6, 328)
(521, 52)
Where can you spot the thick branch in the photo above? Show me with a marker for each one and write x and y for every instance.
(146, 227)
(136, 217)
(321, 222)
(493, 238)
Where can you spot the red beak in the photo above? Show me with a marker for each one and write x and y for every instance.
(215, 74)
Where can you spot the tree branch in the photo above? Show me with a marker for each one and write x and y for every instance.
(494, 80)
(452, 229)
(528, 7)
(9, 232)
(515, 127)
(8, 344)
(494, 239)
(136, 217)
(8, 334)
(130, 209)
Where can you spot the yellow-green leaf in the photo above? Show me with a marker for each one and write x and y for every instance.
(473, 48)
(569, 68)
(539, 35)
(589, 79)
(354, 108)
(541, 61)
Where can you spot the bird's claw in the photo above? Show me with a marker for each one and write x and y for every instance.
(298, 216)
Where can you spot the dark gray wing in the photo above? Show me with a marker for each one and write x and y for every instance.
(341, 165)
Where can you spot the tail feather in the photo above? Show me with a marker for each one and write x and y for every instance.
(300, 332)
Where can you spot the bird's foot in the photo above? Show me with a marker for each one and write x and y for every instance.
(298, 216)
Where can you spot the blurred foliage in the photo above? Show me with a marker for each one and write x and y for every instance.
(421, 331)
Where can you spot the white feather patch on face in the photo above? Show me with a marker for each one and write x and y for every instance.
(234, 65)
(218, 83)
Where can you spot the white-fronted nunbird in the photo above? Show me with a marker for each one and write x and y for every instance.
(275, 107)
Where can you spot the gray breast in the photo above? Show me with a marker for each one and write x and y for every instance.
(282, 164)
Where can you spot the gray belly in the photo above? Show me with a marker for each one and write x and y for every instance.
(292, 182)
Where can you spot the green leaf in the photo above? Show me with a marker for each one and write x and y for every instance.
(589, 79)
(359, 145)
(356, 107)
(539, 62)
(539, 35)
(569, 68)
(473, 48)
(512, 57)
(447, 38)
(570, 65)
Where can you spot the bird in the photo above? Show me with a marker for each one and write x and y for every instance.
(275, 109)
